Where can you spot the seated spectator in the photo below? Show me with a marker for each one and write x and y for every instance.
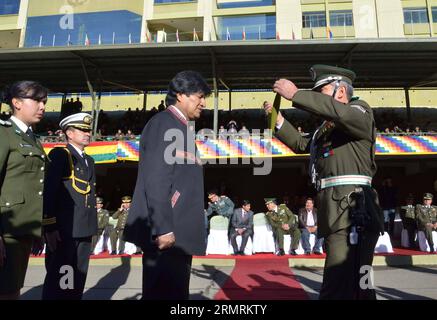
(222, 133)
(119, 135)
(283, 222)
(308, 223)
(426, 216)
(241, 225)
(219, 205)
(408, 216)
(130, 135)
(244, 133)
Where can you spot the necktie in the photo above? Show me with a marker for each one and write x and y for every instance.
(84, 159)
(30, 134)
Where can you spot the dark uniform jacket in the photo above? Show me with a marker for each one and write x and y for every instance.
(102, 219)
(69, 207)
(343, 145)
(168, 197)
(224, 207)
(282, 216)
(425, 215)
(121, 216)
(22, 169)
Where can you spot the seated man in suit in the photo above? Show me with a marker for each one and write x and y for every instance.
(308, 223)
(241, 225)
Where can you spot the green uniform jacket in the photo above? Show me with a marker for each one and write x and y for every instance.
(408, 212)
(344, 145)
(283, 216)
(425, 215)
(22, 169)
(102, 219)
(121, 215)
(224, 207)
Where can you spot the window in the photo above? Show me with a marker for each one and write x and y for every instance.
(110, 27)
(262, 26)
(434, 14)
(415, 15)
(172, 1)
(341, 18)
(245, 4)
(9, 7)
(314, 19)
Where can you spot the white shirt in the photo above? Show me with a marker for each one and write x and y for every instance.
(20, 124)
(80, 152)
(310, 219)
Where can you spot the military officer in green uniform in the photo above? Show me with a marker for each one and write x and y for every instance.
(283, 222)
(219, 205)
(426, 215)
(121, 216)
(408, 216)
(342, 164)
(22, 168)
(102, 221)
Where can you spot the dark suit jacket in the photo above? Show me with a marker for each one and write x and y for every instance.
(239, 222)
(303, 216)
(168, 197)
(75, 213)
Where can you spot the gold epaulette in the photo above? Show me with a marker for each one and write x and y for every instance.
(48, 221)
(73, 178)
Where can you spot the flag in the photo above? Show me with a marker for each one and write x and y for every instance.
(130, 38)
(69, 40)
(177, 35)
(100, 39)
(311, 34)
(329, 33)
(54, 40)
(195, 36)
(293, 36)
(87, 40)
(148, 36)
(259, 32)
(228, 34)
(113, 38)
(244, 33)
(40, 41)
(277, 36)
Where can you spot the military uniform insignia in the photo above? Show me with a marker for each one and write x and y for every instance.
(87, 119)
(358, 107)
(5, 123)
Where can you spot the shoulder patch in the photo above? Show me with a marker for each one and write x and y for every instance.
(5, 123)
(359, 108)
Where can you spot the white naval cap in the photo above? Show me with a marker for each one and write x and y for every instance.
(80, 121)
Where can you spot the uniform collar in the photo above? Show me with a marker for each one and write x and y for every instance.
(178, 114)
(20, 124)
(80, 152)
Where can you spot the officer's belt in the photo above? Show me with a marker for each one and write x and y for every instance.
(343, 180)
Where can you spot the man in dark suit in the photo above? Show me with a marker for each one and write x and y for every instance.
(241, 225)
(308, 224)
(69, 213)
(166, 218)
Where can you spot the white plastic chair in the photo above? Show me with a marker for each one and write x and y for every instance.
(263, 240)
(218, 240)
(100, 245)
(384, 244)
(423, 243)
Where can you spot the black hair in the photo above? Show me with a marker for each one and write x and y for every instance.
(25, 90)
(186, 82)
(213, 191)
(245, 202)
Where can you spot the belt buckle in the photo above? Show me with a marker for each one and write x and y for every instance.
(318, 184)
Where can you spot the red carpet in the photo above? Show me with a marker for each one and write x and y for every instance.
(265, 279)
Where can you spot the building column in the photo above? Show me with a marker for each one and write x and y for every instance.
(22, 21)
